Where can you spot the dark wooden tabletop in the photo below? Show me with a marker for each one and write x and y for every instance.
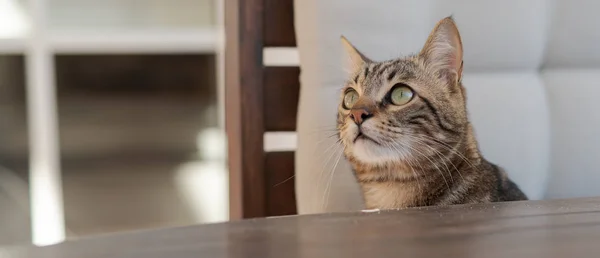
(559, 228)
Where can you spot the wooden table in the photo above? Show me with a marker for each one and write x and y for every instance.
(560, 228)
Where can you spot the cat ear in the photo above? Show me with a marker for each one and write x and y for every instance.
(443, 51)
(355, 59)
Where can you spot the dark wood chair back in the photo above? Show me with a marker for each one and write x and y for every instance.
(259, 99)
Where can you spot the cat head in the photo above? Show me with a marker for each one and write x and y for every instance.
(397, 110)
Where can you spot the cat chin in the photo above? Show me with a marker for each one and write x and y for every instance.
(369, 152)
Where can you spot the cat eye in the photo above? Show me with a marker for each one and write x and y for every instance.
(350, 98)
(401, 95)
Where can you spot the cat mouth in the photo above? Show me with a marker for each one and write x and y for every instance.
(362, 136)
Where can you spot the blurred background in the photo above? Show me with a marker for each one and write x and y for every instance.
(123, 99)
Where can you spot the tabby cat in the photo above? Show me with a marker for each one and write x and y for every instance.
(404, 128)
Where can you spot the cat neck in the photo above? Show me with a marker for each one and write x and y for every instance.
(423, 182)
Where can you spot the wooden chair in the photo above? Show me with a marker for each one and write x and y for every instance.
(259, 99)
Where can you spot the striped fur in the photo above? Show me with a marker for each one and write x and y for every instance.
(424, 152)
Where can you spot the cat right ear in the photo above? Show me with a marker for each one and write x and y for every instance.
(355, 60)
(443, 52)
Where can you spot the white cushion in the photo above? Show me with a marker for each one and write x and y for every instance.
(509, 113)
(574, 108)
(574, 35)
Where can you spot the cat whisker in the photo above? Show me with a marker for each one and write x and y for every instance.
(326, 138)
(448, 159)
(445, 145)
(431, 161)
(453, 151)
(338, 141)
(442, 159)
(283, 182)
(331, 155)
(323, 131)
(410, 165)
(328, 188)
(325, 127)
(440, 155)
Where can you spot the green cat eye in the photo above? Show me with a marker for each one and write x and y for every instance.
(350, 98)
(401, 95)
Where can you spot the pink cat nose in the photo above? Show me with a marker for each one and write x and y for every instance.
(359, 115)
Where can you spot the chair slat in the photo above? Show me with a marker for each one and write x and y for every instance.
(281, 93)
(281, 194)
(244, 108)
(257, 104)
(279, 23)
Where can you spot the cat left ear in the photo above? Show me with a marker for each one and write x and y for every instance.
(355, 59)
(443, 51)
